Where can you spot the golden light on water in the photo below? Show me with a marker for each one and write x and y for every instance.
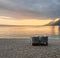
(27, 31)
(56, 30)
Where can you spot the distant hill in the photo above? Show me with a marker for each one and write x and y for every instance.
(54, 23)
(2, 25)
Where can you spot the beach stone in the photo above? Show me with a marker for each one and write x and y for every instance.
(22, 48)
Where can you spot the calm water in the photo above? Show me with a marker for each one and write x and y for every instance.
(16, 32)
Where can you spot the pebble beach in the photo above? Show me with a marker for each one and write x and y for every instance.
(22, 48)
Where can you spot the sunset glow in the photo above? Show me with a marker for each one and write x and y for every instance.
(12, 21)
(56, 19)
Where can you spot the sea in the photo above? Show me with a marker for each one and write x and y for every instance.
(53, 32)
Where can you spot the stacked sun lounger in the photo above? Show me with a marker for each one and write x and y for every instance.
(40, 40)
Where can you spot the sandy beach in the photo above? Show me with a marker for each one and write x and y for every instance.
(22, 48)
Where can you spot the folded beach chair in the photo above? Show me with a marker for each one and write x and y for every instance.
(37, 40)
(43, 40)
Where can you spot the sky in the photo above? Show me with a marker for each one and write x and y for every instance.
(29, 10)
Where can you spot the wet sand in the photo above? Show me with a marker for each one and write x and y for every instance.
(22, 48)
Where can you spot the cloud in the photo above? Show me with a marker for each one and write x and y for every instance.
(30, 8)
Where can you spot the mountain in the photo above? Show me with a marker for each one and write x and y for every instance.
(55, 22)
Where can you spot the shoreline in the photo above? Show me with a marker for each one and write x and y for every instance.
(22, 48)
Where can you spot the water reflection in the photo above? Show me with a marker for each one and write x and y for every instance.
(56, 30)
(29, 31)
(59, 29)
